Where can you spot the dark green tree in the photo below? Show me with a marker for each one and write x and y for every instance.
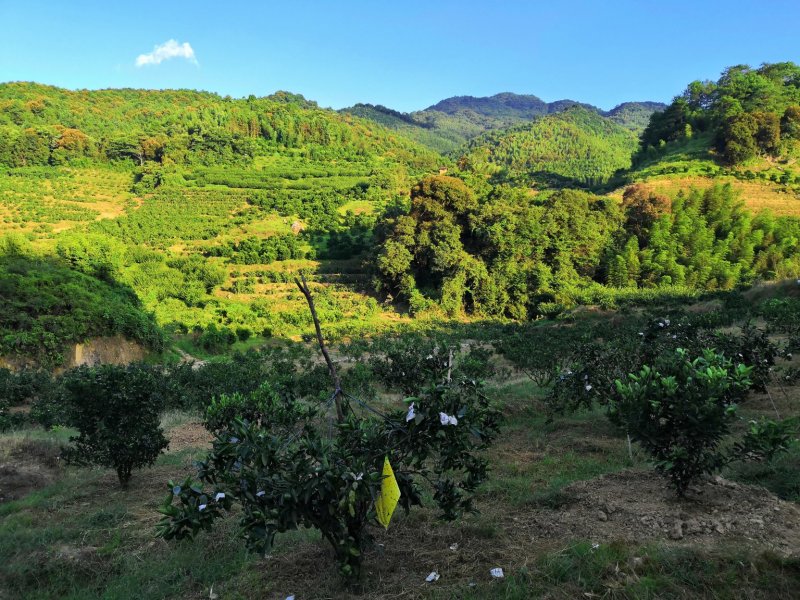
(116, 411)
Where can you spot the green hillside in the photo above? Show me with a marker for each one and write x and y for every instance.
(46, 125)
(46, 305)
(164, 192)
(434, 130)
(634, 115)
(742, 130)
(450, 123)
(515, 108)
(205, 208)
(576, 147)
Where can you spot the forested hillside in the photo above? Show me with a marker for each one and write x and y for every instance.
(448, 124)
(576, 147)
(166, 192)
(41, 125)
(738, 130)
(205, 208)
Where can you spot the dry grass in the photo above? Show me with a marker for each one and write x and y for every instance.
(757, 196)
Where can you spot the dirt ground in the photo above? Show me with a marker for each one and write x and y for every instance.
(604, 509)
(26, 466)
(718, 513)
(189, 435)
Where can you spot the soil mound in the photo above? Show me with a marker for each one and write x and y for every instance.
(639, 506)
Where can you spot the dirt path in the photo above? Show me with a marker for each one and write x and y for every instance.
(188, 358)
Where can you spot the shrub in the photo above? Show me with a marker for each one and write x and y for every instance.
(292, 468)
(754, 348)
(216, 339)
(682, 409)
(116, 412)
(253, 407)
(612, 350)
(409, 362)
(541, 353)
(193, 386)
(5, 415)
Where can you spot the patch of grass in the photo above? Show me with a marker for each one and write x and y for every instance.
(534, 459)
(177, 417)
(620, 571)
(358, 207)
(781, 476)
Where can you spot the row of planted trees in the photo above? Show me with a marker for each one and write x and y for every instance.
(301, 445)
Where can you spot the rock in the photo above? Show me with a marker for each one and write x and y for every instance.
(676, 532)
(693, 526)
(601, 516)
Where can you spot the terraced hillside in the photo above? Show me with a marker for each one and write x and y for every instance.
(206, 208)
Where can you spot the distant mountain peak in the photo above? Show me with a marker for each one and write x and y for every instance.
(528, 106)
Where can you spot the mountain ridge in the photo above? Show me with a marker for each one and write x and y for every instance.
(513, 103)
(452, 122)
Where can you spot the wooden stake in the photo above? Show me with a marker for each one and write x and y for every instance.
(337, 384)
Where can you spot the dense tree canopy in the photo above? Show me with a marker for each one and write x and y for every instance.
(750, 111)
(507, 254)
(42, 125)
(575, 147)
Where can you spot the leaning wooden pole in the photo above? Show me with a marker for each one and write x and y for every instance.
(337, 384)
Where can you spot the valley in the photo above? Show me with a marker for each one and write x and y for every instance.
(572, 334)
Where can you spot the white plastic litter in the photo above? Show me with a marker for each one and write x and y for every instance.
(411, 413)
(446, 419)
(219, 496)
(453, 546)
(434, 576)
(497, 573)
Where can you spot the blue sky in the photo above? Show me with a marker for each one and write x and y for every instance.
(406, 55)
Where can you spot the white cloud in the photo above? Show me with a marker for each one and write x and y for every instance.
(165, 51)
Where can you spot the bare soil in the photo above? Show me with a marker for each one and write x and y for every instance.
(189, 435)
(27, 466)
(638, 506)
(631, 506)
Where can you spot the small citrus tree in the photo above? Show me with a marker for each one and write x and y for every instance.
(116, 412)
(291, 467)
(682, 409)
(292, 463)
